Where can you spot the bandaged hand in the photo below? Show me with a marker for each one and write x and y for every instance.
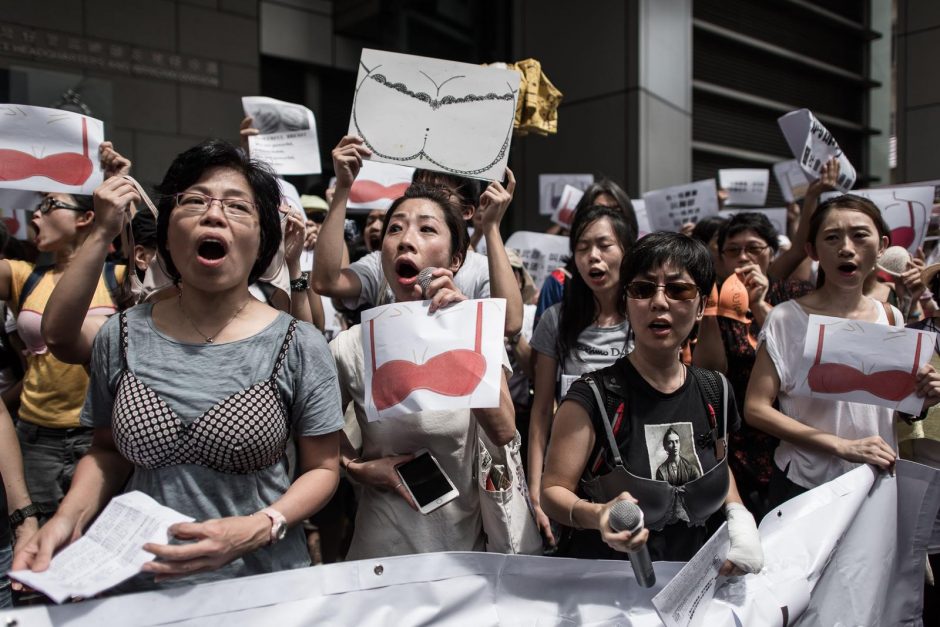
(746, 552)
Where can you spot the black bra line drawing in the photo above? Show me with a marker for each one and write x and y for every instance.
(434, 103)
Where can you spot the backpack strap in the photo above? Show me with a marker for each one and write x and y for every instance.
(714, 387)
(31, 282)
(605, 420)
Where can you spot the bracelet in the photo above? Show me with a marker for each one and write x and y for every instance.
(356, 460)
(300, 284)
(18, 517)
(571, 522)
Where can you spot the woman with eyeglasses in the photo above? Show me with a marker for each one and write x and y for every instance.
(649, 429)
(727, 338)
(821, 438)
(51, 438)
(587, 331)
(194, 399)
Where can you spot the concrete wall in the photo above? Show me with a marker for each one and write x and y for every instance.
(918, 90)
(162, 74)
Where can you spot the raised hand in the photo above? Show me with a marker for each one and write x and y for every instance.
(347, 160)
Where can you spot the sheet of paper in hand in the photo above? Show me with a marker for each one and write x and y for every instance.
(791, 179)
(110, 552)
(642, 219)
(378, 185)
(435, 114)
(813, 146)
(49, 150)
(416, 361)
(668, 209)
(863, 362)
(541, 253)
(552, 186)
(905, 209)
(746, 187)
(288, 135)
(564, 213)
(776, 215)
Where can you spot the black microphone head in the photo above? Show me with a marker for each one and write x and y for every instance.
(424, 279)
(625, 516)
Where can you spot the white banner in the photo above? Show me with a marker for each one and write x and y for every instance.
(49, 150)
(541, 253)
(417, 361)
(849, 552)
(288, 139)
(440, 115)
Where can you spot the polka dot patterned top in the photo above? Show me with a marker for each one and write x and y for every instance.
(241, 434)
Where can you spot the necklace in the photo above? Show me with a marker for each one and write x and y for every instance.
(208, 338)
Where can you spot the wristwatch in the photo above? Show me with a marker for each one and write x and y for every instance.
(278, 524)
(19, 516)
(300, 284)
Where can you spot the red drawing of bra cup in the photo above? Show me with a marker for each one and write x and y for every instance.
(891, 385)
(454, 373)
(369, 191)
(68, 168)
(905, 235)
(565, 216)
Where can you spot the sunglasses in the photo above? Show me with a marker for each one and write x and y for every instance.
(674, 290)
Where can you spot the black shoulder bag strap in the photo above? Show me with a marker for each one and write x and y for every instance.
(605, 420)
(714, 388)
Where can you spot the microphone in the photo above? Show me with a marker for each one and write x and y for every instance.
(424, 280)
(627, 516)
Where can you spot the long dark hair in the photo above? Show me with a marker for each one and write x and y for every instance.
(579, 305)
(853, 203)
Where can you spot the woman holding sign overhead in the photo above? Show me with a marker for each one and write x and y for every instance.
(821, 438)
(422, 229)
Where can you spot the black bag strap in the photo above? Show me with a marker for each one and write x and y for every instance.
(714, 388)
(605, 420)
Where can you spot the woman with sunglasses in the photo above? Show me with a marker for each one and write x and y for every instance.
(821, 439)
(650, 430)
(51, 438)
(587, 331)
(423, 228)
(194, 399)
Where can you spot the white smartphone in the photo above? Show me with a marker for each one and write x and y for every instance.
(425, 480)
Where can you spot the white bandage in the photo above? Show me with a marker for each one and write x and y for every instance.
(745, 552)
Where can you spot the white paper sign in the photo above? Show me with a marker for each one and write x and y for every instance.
(685, 600)
(813, 146)
(416, 361)
(541, 253)
(552, 186)
(378, 185)
(668, 209)
(564, 213)
(746, 187)
(905, 209)
(16, 208)
(49, 150)
(110, 552)
(776, 215)
(792, 179)
(435, 114)
(863, 362)
(642, 219)
(288, 139)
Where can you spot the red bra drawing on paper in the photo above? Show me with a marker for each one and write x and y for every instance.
(456, 372)
(892, 385)
(68, 168)
(904, 235)
(368, 191)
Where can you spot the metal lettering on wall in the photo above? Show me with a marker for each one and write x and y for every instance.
(43, 45)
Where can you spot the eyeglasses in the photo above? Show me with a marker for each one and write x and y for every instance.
(197, 204)
(674, 290)
(752, 250)
(51, 204)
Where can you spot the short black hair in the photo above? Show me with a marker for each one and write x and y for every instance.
(144, 228)
(663, 248)
(706, 228)
(606, 186)
(453, 216)
(750, 221)
(189, 167)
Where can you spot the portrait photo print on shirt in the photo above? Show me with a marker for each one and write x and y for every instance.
(672, 454)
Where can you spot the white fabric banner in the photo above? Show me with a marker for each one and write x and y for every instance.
(850, 552)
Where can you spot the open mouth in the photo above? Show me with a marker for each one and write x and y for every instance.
(375, 241)
(847, 267)
(596, 274)
(660, 325)
(406, 270)
(211, 250)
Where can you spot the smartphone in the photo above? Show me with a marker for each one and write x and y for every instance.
(425, 480)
